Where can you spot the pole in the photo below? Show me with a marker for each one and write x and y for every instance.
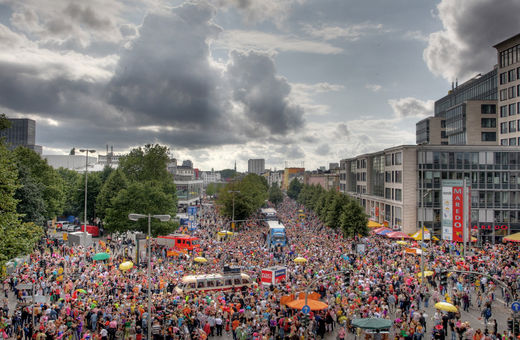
(233, 218)
(86, 179)
(422, 229)
(464, 216)
(33, 304)
(149, 275)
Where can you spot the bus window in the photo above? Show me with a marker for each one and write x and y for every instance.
(238, 281)
(192, 285)
(229, 282)
(245, 281)
(178, 241)
(200, 284)
(219, 282)
(210, 283)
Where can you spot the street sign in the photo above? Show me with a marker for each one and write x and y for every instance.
(306, 309)
(192, 210)
(515, 306)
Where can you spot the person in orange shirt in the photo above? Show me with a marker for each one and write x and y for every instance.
(234, 326)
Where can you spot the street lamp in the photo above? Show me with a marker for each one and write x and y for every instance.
(162, 218)
(86, 176)
(233, 219)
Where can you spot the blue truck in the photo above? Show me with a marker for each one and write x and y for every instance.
(276, 235)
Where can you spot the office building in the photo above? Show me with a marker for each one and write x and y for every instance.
(291, 173)
(210, 177)
(327, 180)
(401, 187)
(21, 133)
(467, 115)
(73, 162)
(508, 55)
(187, 163)
(256, 166)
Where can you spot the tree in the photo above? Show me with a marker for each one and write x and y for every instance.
(141, 198)
(294, 188)
(251, 195)
(275, 194)
(35, 170)
(213, 188)
(70, 179)
(227, 174)
(353, 219)
(116, 182)
(146, 164)
(334, 210)
(31, 205)
(93, 189)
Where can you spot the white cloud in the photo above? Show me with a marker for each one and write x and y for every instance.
(411, 107)
(373, 87)
(463, 47)
(416, 35)
(303, 93)
(260, 41)
(350, 33)
(261, 10)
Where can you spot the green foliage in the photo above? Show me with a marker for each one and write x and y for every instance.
(116, 182)
(275, 194)
(336, 210)
(4, 123)
(70, 179)
(31, 205)
(35, 170)
(146, 164)
(213, 188)
(251, 196)
(294, 189)
(93, 189)
(142, 198)
(227, 174)
(18, 239)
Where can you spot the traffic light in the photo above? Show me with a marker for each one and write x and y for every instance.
(346, 278)
(516, 327)
(444, 278)
(305, 320)
(510, 324)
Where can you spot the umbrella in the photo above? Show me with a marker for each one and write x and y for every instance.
(426, 273)
(313, 304)
(372, 323)
(83, 291)
(101, 257)
(398, 234)
(373, 224)
(384, 231)
(300, 259)
(403, 243)
(512, 238)
(126, 265)
(200, 259)
(446, 306)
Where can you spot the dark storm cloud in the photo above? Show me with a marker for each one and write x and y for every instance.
(264, 94)
(165, 76)
(464, 47)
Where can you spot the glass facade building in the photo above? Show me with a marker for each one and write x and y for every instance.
(21, 133)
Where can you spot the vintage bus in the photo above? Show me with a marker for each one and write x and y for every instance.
(212, 282)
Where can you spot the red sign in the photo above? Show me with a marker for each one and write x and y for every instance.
(458, 213)
(267, 276)
(377, 211)
(490, 227)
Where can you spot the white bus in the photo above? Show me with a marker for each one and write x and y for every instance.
(212, 282)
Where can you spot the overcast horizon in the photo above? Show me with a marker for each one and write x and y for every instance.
(294, 81)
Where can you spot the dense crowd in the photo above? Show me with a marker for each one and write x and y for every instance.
(89, 299)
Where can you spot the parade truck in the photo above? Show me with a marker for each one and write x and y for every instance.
(274, 275)
(179, 242)
(269, 214)
(276, 235)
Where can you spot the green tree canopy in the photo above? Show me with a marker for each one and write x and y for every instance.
(141, 198)
(275, 194)
(116, 182)
(148, 163)
(93, 189)
(250, 194)
(294, 188)
(70, 179)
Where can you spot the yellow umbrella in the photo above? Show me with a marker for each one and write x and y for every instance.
(426, 273)
(403, 243)
(223, 233)
(300, 259)
(446, 306)
(200, 259)
(126, 265)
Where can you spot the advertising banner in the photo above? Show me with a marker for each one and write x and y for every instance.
(453, 210)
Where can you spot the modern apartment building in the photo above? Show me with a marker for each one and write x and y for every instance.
(401, 187)
(210, 177)
(256, 166)
(467, 115)
(508, 54)
(21, 133)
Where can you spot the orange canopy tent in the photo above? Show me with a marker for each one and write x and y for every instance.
(313, 304)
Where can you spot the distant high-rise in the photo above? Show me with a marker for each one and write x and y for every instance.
(187, 163)
(21, 133)
(256, 166)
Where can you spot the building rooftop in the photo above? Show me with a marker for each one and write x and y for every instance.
(508, 40)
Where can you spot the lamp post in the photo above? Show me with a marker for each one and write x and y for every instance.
(162, 218)
(233, 218)
(86, 176)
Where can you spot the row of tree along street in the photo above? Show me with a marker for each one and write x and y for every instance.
(335, 209)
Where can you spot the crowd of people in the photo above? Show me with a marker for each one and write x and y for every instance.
(87, 299)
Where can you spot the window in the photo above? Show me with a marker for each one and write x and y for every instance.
(398, 177)
(503, 111)
(488, 122)
(512, 75)
(518, 73)
(512, 109)
(210, 283)
(503, 78)
(503, 127)
(518, 125)
(512, 126)
(237, 281)
(200, 284)
(503, 142)
(398, 158)
(511, 92)
(388, 159)
(388, 193)
(512, 141)
(398, 195)
(489, 136)
(388, 176)
(488, 108)
(443, 123)
(503, 94)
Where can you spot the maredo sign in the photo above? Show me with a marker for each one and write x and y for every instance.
(453, 210)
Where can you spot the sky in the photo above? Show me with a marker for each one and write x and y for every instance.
(291, 81)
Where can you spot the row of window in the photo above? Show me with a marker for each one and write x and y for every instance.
(509, 76)
(510, 92)
(488, 122)
(361, 163)
(510, 141)
(395, 158)
(489, 137)
(394, 194)
(361, 176)
(488, 108)
(509, 110)
(393, 176)
(509, 56)
(466, 160)
(510, 127)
